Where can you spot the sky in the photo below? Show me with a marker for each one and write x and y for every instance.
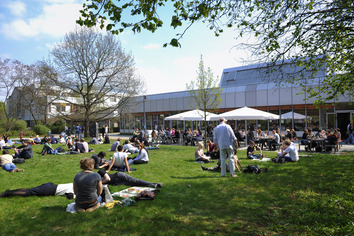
(30, 28)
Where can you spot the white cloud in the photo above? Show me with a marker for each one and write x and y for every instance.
(17, 8)
(55, 20)
(152, 46)
(5, 56)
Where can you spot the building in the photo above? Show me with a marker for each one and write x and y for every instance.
(254, 86)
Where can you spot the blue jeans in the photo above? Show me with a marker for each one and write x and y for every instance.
(287, 158)
(224, 154)
(9, 167)
(254, 156)
(351, 137)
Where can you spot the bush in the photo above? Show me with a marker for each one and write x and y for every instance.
(41, 129)
(58, 127)
(20, 125)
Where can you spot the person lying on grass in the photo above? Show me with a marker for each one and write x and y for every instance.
(6, 162)
(217, 168)
(199, 154)
(288, 151)
(121, 178)
(47, 189)
(128, 147)
(87, 187)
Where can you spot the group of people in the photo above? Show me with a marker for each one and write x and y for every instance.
(87, 184)
(22, 152)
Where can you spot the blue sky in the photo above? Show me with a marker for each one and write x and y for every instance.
(29, 28)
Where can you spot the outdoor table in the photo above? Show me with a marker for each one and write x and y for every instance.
(319, 141)
(266, 140)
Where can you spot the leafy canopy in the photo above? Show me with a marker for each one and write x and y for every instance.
(311, 33)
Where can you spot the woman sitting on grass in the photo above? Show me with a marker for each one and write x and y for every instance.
(212, 150)
(142, 158)
(87, 187)
(199, 154)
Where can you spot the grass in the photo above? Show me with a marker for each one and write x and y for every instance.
(311, 197)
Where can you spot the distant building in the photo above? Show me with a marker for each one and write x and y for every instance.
(251, 86)
(38, 105)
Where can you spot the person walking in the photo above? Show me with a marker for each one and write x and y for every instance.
(225, 138)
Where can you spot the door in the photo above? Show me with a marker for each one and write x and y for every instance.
(343, 120)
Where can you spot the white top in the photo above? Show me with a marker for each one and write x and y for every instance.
(143, 155)
(119, 159)
(291, 152)
(64, 188)
(130, 148)
(2, 143)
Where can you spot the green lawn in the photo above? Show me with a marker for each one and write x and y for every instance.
(311, 197)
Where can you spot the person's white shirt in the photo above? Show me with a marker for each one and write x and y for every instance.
(291, 152)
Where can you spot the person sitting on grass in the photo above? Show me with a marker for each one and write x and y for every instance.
(24, 151)
(115, 145)
(48, 149)
(87, 187)
(119, 160)
(288, 151)
(217, 168)
(212, 150)
(106, 139)
(61, 139)
(199, 154)
(69, 143)
(128, 147)
(142, 158)
(100, 162)
(7, 164)
(251, 149)
(86, 146)
(47, 189)
(121, 178)
(79, 147)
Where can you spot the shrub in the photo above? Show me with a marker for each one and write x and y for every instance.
(58, 127)
(20, 125)
(41, 129)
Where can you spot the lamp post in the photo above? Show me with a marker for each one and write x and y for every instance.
(144, 98)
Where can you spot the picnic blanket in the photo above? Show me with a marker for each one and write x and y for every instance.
(131, 192)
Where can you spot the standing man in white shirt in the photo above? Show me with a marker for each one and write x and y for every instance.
(225, 138)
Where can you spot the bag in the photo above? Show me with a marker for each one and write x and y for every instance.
(60, 149)
(252, 169)
(18, 160)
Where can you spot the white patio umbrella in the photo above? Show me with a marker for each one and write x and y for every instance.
(246, 113)
(196, 115)
(297, 116)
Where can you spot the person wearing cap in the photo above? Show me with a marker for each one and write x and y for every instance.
(225, 138)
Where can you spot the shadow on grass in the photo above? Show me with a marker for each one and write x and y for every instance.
(196, 177)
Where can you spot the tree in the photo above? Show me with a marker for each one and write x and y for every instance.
(312, 34)
(12, 77)
(96, 76)
(204, 92)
